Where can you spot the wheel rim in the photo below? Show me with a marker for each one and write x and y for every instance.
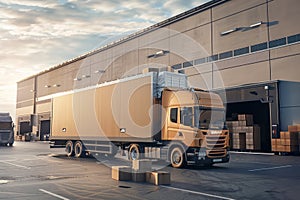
(176, 158)
(133, 154)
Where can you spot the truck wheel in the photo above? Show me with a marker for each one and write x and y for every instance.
(134, 152)
(10, 144)
(69, 148)
(78, 149)
(177, 157)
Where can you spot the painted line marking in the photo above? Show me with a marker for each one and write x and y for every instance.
(195, 192)
(53, 194)
(270, 168)
(21, 166)
(252, 153)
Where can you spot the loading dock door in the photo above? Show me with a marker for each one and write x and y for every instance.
(261, 116)
(25, 127)
(44, 130)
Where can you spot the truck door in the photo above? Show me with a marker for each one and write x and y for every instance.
(187, 129)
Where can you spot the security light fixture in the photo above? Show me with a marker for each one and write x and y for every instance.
(47, 86)
(85, 76)
(158, 54)
(77, 79)
(256, 24)
(99, 71)
(229, 31)
(56, 85)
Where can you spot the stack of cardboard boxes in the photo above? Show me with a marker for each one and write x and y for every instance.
(243, 133)
(289, 140)
(141, 171)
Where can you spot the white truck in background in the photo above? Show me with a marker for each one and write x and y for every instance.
(6, 130)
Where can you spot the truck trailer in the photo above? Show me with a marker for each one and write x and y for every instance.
(6, 130)
(154, 115)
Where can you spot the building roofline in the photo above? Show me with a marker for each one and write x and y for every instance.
(149, 29)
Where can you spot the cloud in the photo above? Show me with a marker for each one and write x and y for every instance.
(36, 35)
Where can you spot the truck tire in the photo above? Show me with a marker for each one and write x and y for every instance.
(134, 152)
(78, 149)
(177, 157)
(10, 144)
(69, 148)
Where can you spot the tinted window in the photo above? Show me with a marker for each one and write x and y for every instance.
(186, 116)
(241, 51)
(294, 38)
(177, 66)
(199, 61)
(276, 43)
(173, 115)
(188, 64)
(212, 58)
(259, 47)
(224, 55)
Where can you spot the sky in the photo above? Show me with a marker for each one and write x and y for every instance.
(36, 35)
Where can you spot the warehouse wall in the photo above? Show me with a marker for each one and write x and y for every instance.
(267, 52)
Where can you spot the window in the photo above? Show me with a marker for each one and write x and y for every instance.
(173, 115)
(224, 55)
(259, 47)
(294, 38)
(209, 118)
(186, 116)
(177, 66)
(241, 51)
(213, 58)
(278, 42)
(199, 61)
(187, 64)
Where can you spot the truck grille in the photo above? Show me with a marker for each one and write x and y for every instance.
(4, 136)
(216, 146)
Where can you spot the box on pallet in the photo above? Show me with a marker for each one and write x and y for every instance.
(121, 173)
(142, 165)
(246, 117)
(138, 176)
(294, 128)
(158, 177)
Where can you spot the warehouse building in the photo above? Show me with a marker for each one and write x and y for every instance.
(248, 51)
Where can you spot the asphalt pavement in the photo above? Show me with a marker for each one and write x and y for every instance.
(31, 170)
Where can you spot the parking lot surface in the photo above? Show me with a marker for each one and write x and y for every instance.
(31, 170)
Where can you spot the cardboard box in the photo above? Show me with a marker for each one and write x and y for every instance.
(236, 145)
(246, 117)
(138, 176)
(294, 128)
(142, 165)
(250, 146)
(158, 178)
(289, 135)
(121, 173)
(285, 141)
(242, 123)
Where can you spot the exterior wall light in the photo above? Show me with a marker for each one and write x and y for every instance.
(256, 24)
(77, 79)
(47, 86)
(229, 31)
(85, 76)
(56, 85)
(158, 54)
(99, 71)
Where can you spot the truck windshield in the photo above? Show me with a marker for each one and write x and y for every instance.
(209, 118)
(5, 125)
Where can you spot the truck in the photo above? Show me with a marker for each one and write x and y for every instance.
(6, 130)
(154, 115)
